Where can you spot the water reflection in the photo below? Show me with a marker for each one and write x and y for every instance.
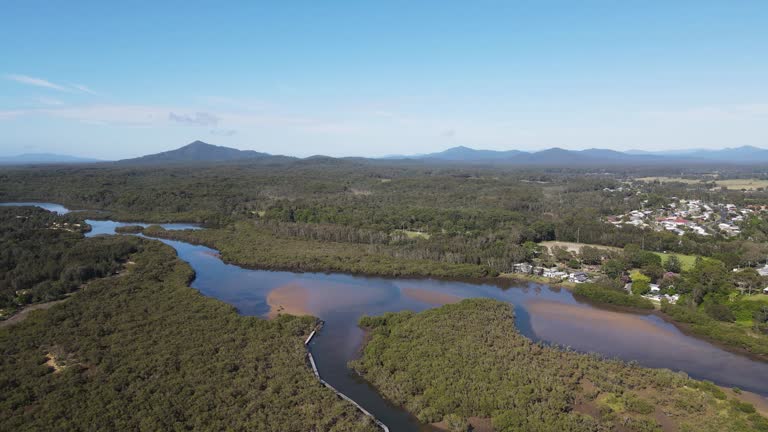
(543, 313)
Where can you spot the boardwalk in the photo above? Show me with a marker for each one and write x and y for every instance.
(340, 394)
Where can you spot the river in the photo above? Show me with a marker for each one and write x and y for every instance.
(543, 313)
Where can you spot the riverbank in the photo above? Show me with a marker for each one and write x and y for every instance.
(728, 345)
(558, 384)
(247, 247)
(250, 246)
(131, 341)
(22, 314)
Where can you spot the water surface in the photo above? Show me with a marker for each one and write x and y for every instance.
(543, 313)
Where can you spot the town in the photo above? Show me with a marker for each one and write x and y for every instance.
(682, 216)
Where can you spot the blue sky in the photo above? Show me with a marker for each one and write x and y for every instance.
(121, 79)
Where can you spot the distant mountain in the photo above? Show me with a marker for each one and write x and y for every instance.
(743, 154)
(462, 153)
(44, 158)
(552, 156)
(197, 151)
(594, 157)
(200, 152)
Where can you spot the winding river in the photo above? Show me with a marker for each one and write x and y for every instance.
(543, 313)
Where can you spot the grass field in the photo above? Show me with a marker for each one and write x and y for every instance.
(415, 234)
(669, 180)
(576, 247)
(686, 261)
(739, 184)
(756, 297)
(733, 184)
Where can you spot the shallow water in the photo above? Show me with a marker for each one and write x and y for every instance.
(542, 313)
(56, 208)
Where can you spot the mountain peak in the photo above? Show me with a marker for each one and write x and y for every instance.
(198, 143)
(197, 151)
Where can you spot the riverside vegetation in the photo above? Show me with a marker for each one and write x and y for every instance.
(43, 256)
(467, 360)
(143, 351)
(409, 219)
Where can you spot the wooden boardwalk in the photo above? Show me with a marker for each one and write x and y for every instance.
(340, 394)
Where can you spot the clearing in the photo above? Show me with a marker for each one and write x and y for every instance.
(686, 261)
(576, 247)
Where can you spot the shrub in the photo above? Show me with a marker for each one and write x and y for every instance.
(605, 295)
(720, 312)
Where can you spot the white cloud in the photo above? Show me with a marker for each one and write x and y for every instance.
(49, 101)
(38, 82)
(223, 132)
(196, 119)
(9, 114)
(84, 89)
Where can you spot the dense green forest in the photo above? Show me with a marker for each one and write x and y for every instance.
(713, 301)
(248, 244)
(607, 295)
(456, 215)
(468, 360)
(438, 220)
(142, 351)
(43, 256)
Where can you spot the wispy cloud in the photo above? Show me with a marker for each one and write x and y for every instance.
(37, 82)
(711, 113)
(9, 114)
(40, 82)
(84, 89)
(196, 119)
(223, 132)
(49, 101)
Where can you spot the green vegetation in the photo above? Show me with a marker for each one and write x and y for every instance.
(129, 229)
(641, 284)
(704, 322)
(414, 234)
(43, 256)
(412, 219)
(145, 352)
(468, 360)
(470, 215)
(250, 244)
(611, 296)
(686, 261)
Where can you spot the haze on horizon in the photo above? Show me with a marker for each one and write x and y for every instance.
(117, 80)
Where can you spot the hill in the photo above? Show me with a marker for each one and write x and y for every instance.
(197, 151)
(745, 155)
(553, 157)
(44, 158)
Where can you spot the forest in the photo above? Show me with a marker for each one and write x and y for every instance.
(142, 351)
(43, 256)
(458, 215)
(465, 361)
(412, 219)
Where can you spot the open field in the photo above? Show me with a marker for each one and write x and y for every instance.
(739, 184)
(669, 180)
(686, 261)
(756, 297)
(732, 184)
(576, 247)
(415, 234)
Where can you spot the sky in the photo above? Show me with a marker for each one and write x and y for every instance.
(114, 80)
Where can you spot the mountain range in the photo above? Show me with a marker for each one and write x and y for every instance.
(44, 158)
(197, 151)
(200, 152)
(562, 157)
